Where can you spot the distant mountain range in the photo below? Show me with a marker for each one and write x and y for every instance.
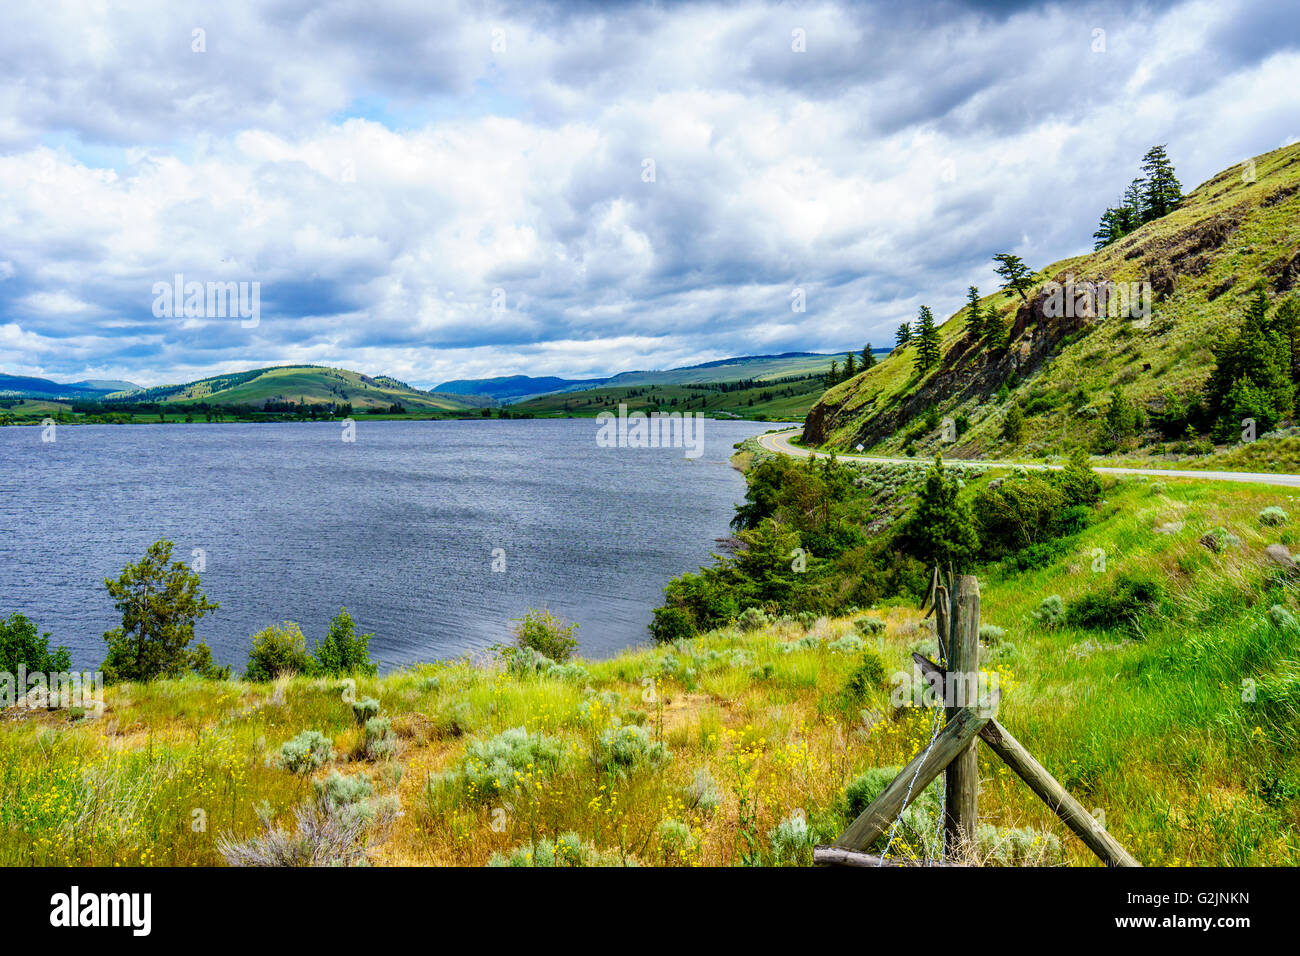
(312, 384)
(22, 386)
(520, 388)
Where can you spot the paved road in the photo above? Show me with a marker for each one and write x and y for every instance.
(780, 442)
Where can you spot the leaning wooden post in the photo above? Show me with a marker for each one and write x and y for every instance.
(961, 779)
(911, 782)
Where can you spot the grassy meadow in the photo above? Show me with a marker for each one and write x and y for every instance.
(736, 747)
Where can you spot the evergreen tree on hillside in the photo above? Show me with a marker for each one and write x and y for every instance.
(850, 366)
(868, 360)
(1163, 192)
(1133, 207)
(1252, 376)
(975, 323)
(1287, 322)
(903, 336)
(1013, 423)
(833, 374)
(927, 340)
(1108, 230)
(1123, 420)
(1015, 274)
(996, 332)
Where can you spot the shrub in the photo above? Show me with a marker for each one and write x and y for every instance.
(867, 674)
(1219, 540)
(1017, 512)
(523, 661)
(671, 624)
(547, 634)
(1051, 612)
(703, 793)
(792, 840)
(676, 840)
(341, 790)
(626, 748)
(1018, 846)
(307, 752)
(277, 650)
(326, 835)
(489, 767)
(848, 644)
(1079, 484)
(1272, 516)
(1122, 604)
(1282, 619)
(991, 634)
(751, 619)
(364, 709)
(869, 626)
(379, 741)
(20, 645)
(344, 651)
(566, 850)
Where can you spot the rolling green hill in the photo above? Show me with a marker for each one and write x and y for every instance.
(305, 384)
(782, 399)
(752, 368)
(1203, 261)
(759, 368)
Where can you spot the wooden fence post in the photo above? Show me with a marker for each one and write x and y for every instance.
(961, 779)
(1057, 798)
(915, 777)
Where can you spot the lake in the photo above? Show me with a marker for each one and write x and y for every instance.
(399, 525)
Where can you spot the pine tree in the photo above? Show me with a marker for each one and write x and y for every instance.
(995, 330)
(850, 367)
(868, 360)
(927, 340)
(160, 601)
(903, 336)
(1163, 191)
(833, 375)
(1015, 274)
(941, 530)
(1013, 423)
(975, 324)
(1134, 205)
(1108, 230)
(1287, 322)
(1252, 376)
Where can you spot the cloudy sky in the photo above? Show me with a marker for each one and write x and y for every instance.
(435, 191)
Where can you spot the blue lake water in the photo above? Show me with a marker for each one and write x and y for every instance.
(399, 525)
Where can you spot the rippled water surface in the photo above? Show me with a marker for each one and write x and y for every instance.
(400, 526)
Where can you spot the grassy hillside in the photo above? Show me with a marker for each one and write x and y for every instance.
(1202, 261)
(757, 368)
(710, 751)
(305, 384)
(754, 368)
(775, 400)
